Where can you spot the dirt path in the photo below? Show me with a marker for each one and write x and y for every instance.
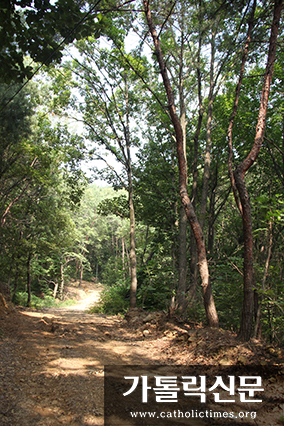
(89, 296)
(51, 362)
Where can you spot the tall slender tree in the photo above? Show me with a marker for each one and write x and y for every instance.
(210, 309)
(108, 112)
(238, 177)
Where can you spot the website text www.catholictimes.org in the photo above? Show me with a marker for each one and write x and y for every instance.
(193, 414)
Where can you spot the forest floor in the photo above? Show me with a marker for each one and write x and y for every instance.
(52, 361)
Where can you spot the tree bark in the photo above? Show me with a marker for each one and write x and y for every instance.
(257, 328)
(15, 282)
(193, 249)
(211, 215)
(81, 274)
(55, 290)
(133, 260)
(61, 279)
(182, 258)
(174, 226)
(182, 261)
(239, 175)
(207, 160)
(123, 256)
(235, 109)
(29, 279)
(211, 313)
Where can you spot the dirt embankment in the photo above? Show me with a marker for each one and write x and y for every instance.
(51, 362)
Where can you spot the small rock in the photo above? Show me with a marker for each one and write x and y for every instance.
(225, 361)
(149, 317)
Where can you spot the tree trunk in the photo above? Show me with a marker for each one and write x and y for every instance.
(182, 261)
(235, 109)
(211, 215)
(193, 248)
(211, 313)
(55, 289)
(174, 225)
(81, 274)
(133, 261)
(257, 328)
(207, 160)
(128, 259)
(249, 284)
(29, 279)
(61, 279)
(15, 282)
(123, 256)
(211, 233)
(239, 175)
(76, 270)
(182, 258)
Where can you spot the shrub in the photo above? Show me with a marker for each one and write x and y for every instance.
(114, 300)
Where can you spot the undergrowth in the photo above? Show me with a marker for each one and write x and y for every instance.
(39, 303)
(114, 300)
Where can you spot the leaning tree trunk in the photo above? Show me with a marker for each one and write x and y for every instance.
(239, 178)
(210, 309)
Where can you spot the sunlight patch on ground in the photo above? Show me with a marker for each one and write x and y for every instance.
(73, 365)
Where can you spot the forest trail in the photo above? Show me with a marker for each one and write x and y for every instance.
(51, 361)
(88, 295)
